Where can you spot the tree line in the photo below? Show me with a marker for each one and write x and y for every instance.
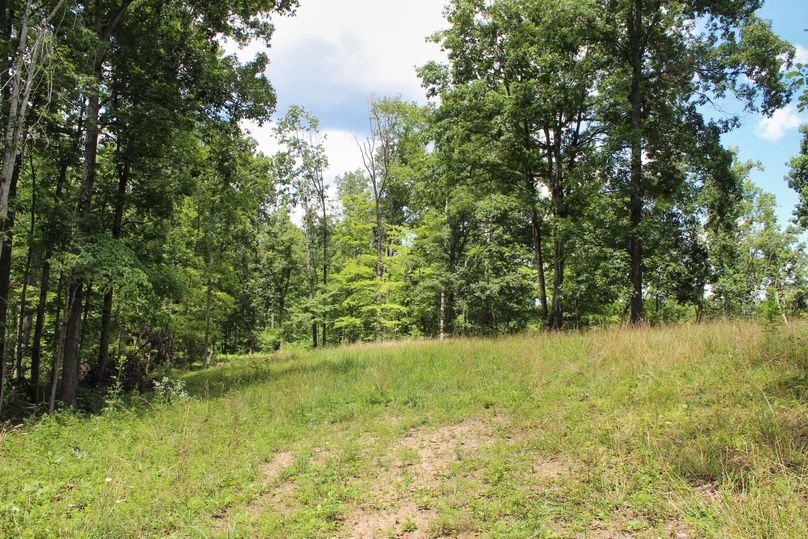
(568, 173)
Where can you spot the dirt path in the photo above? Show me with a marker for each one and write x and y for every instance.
(421, 459)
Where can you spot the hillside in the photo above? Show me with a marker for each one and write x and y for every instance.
(687, 431)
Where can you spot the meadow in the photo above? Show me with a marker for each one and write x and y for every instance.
(683, 431)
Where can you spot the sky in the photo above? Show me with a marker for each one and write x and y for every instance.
(332, 57)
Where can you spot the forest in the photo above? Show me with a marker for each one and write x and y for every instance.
(568, 172)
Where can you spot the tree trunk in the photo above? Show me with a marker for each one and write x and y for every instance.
(535, 222)
(121, 319)
(727, 304)
(780, 306)
(71, 365)
(59, 349)
(557, 315)
(25, 318)
(636, 187)
(85, 313)
(442, 312)
(22, 81)
(15, 117)
(72, 325)
(560, 211)
(6, 227)
(379, 236)
(36, 346)
(311, 278)
(106, 313)
(325, 263)
(70, 338)
(44, 283)
(208, 303)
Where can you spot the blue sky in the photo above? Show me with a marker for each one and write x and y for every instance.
(774, 141)
(332, 57)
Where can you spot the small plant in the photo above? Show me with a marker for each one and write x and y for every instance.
(114, 396)
(409, 525)
(169, 390)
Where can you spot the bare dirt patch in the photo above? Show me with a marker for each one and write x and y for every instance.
(544, 470)
(420, 461)
(272, 469)
(709, 492)
(279, 496)
(679, 530)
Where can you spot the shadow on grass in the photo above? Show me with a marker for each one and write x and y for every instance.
(242, 373)
(792, 389)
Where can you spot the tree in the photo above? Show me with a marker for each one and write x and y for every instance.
(239, 93)
(388, 150)
(298, 132)
(798, 179)
(535, 87)
(655, 48)
(776, 267)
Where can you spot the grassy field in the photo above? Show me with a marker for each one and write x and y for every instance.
(689, 431)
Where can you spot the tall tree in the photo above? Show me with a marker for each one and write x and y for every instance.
(392, 141)
(298, 132)
(656, 47)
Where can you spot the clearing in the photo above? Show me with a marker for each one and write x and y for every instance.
(683, 432)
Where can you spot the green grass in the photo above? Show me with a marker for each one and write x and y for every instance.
(689, 431)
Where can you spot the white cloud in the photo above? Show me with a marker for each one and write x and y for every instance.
(801, 57)
(342, 151)
(332, 57)
(340, 147)
(373, 44)
(774, 128)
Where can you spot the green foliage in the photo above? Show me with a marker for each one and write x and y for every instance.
(798, 179)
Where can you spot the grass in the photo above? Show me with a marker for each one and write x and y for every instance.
(687, 431)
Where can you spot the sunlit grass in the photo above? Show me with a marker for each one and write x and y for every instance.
(697, 429)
